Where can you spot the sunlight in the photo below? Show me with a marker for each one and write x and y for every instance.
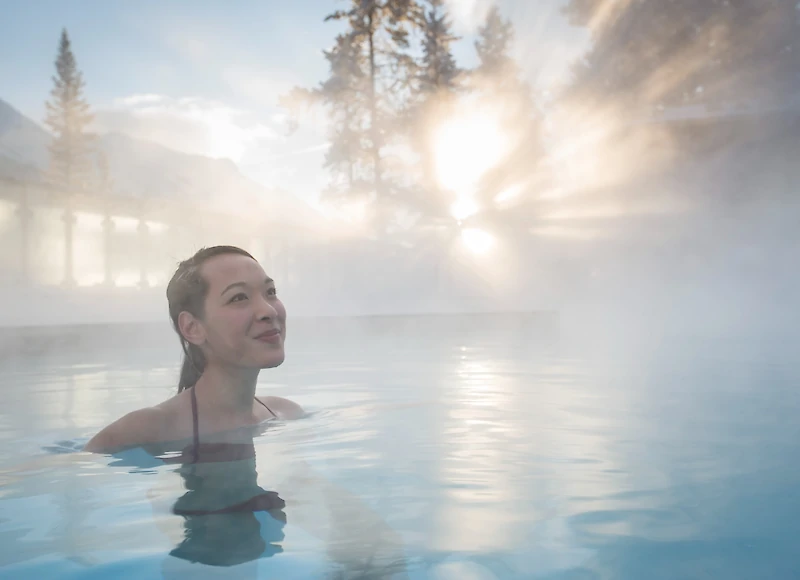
(476, 436)
(477, 241)
(598, 148)
(463, 208)
(576, 158)
(509, 193)
(466, 147)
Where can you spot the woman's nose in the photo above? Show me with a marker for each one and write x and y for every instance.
(266, 310)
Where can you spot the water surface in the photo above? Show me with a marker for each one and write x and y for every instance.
(453, 447)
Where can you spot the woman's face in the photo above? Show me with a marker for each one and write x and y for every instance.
(244, 323)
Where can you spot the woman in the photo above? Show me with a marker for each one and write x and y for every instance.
(231, 325)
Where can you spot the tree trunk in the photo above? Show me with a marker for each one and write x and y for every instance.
(373, 108)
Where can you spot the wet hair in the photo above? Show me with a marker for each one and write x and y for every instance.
(187, 291)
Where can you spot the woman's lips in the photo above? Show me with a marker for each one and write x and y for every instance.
(273, 336)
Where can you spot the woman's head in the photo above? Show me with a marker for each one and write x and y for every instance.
(226, 311)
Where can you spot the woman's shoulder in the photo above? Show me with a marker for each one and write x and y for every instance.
(282, 408)
(140, 427)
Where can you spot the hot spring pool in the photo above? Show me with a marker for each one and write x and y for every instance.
(474, 448)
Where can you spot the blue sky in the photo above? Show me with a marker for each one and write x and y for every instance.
(203, 76)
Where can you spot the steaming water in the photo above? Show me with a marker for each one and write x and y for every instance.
(461, 447)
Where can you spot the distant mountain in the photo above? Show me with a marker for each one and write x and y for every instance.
(23, 144)
(141, 168)
(18, 171)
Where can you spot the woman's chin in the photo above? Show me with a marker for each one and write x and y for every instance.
(274, 361)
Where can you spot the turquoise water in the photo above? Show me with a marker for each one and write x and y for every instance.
(464, 448)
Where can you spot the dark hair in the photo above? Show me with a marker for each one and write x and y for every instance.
(187, 291)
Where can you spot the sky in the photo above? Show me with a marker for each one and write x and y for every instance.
(204, 76)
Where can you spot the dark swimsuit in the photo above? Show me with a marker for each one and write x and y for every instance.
(213, 452)
(221, 452)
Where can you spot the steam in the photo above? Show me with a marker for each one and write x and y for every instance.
(191, 125)
(626, 206)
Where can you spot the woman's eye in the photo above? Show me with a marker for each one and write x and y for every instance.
(239, 297)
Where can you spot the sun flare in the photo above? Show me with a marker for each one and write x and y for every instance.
(477, 241)
(463, 208)
(465, 147)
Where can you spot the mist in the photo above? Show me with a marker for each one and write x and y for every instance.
(654, 199)
(538, 260)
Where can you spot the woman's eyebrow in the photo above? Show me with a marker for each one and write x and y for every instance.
(234, 285)
(244, 284)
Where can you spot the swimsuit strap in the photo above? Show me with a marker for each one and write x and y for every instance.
(267, 408)
(195, 427)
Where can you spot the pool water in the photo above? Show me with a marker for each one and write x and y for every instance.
(445, 447)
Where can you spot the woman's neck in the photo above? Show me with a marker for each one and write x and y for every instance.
(228, 390)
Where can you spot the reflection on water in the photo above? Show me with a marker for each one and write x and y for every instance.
(432, 451)
(477, 511)
(227, 518)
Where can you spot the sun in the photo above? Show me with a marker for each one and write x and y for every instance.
(465, 147)
(477, 241)
(463, 208)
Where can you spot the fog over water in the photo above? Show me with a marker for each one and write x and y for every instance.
(628, 196)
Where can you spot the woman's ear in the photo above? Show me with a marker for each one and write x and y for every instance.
(191, 328)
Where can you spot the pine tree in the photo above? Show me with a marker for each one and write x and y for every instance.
(438, 71)
(68, 117)
(379, 30)
(493, 45)
(498, 76)
(345, 94)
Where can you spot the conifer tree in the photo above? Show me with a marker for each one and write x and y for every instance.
(493, 45)
(344, 92)
(438, 71)
(68, 117)
(378, 32)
